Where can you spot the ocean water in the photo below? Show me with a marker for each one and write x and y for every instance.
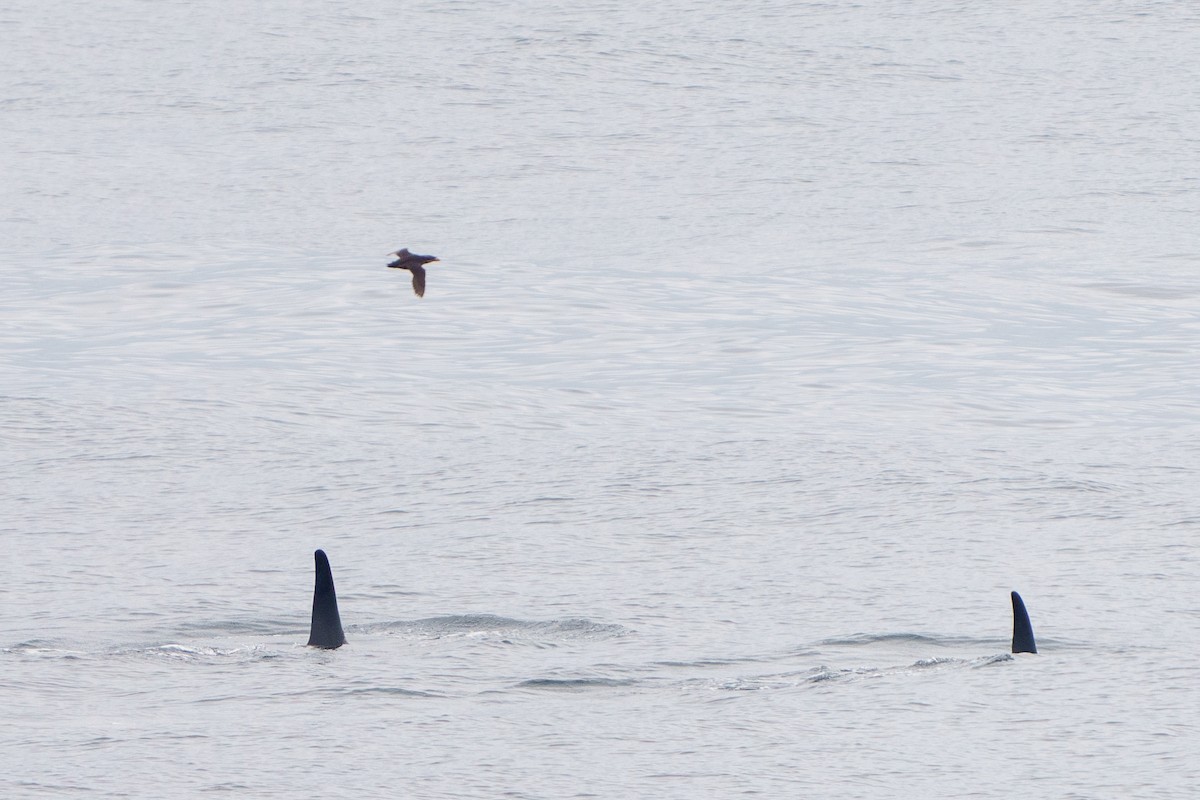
(770, 347)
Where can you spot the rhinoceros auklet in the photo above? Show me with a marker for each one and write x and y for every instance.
(414, 264)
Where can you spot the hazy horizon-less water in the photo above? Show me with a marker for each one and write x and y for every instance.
(769, 349)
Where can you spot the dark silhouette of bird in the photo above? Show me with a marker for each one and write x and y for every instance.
(414, 264)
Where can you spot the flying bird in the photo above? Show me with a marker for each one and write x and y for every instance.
(414, 264)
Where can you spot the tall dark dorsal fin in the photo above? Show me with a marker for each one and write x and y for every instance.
(326, 628)
(1022, 630)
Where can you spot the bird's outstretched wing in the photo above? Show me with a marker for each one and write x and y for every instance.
(418, 280)
(401, 257)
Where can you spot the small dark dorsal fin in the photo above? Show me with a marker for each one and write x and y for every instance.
(1022, 630)
(326, 628)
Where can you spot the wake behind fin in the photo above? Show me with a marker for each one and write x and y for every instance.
(326, 631)
(1022, 630)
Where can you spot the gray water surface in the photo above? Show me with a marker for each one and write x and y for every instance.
(771, 346)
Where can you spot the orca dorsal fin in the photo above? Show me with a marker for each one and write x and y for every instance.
(326, 628)
(1022, 630)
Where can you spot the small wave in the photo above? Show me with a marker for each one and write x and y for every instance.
(171, 651)
(492, 626)
(43, 648)
(823, 674)
(197, 654)
(709, 663)
(574, 684)
(750, 685)
(581, 626)
(859, 639)
(932, 663)
(1143, 290)
(240, 627)
(789, 680)
(986, 661)
(388, 691)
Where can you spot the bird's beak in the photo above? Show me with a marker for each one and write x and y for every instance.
(435, 258)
